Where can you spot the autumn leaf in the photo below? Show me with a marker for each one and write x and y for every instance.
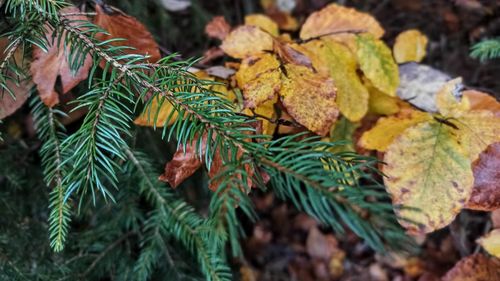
(343, 130)
(218, 28)
(419, 84)
(387, 129)
(259, 78)
(337, 19)
(336, 60)
(428, 176)
(265, 112)
(156, 114)
(264, 22)
(376, 62)
(410, 45)
(19, 87)
(121, 25)
(309, 98)
(482, 101)
(288, 54)
(245, 41)
(184, 163)
(48, 65)
(449, 101)
(476, 267)
(382, 104)
(491, 243)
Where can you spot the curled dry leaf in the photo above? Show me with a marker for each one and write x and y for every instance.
(337, 61)
(218, 28)
(476, 267)
(245, 41)
(410, 45)
(46, 67)
(182, 166)
(337, 19)
(20, 89)
(491, 242)
(309, 98)
(428, 176)
(121, 25)
(264, 22)
(376, 61)
(486, 193)
(419, 84)
(482, 101)
(287, 54)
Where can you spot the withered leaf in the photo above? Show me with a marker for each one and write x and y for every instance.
(182, 166)
(218, 28)
(48, 66)
(476, 267)
(287, 54)
(121, 25)
(247, 40)
(486, 193)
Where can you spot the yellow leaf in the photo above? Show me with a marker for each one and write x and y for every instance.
(376, 62)
(245, 41)
(477, 130)
(449, 99)
(336, 19)
(259, 78)
(491, 242)
(389, 128)
(429, 176)
(336, 60)
(266, 109)
(264, 22)
(380, 103)
(159, 106)
(309, 98)
(410, 45)
(343, 130)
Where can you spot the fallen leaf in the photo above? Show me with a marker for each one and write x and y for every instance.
(410, 45)
(20, 86)
(382, 104)
(212, 54)
(486, 193)
(259, 78)
(336, 60)
(343, 130)
(287, 54)
(428, 176)
(449, 101)
(320, 246)
(284, 20)
(482, 101)
(176, 5)
(476, 267)
(337, 19)
(245, 41)
(491, 242)
(387, 129)
(220, 71)
(376, 62)
(156, 114)
(309, 98)
(46, 67)
(184, 163)
(419, 84)
(218, 28)
(263, 22)
(121, 25)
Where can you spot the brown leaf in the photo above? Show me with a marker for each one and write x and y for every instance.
(182, 166)
(218, 28)
(121, 25)
(486, 193)
(482, 101)
(8, 104)
(211, 54)
(288, 54)
(48, 66)
(320, 246)
(476, 267)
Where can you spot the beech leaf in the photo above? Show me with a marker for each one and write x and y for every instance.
(336, 60)
(264, 22)
(121, 25)
(410, 45)
(476, 267)
(336, 19)
(491, 243)
(218, 28)
(428, 176)
(46, 67)
(309, 98)
(245, 41)
(376, 62)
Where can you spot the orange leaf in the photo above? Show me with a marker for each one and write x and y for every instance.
(218, 28)
(337, 19)
(486, 193)
(182, 166)
(482, 101)
(121, 25)
(47, 66)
